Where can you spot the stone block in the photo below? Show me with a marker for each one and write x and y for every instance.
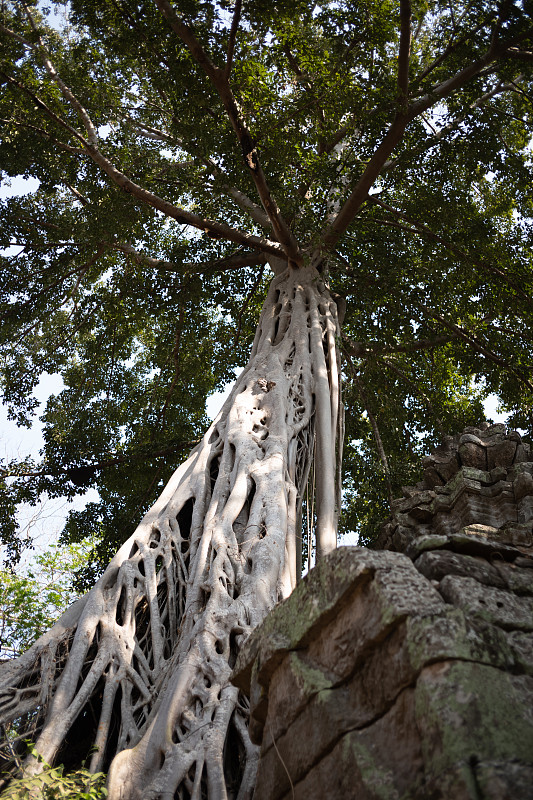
(457, 782)
(389, 588)
(473, 712)
(304, 701)
(496, 606)
(508, 780)
(363, 764)
(472, 540)
(523, 485)
(297, 681)
(521, 645)
(435, 565)
(519, 580)
(472, 454)
(501, 454)
(525, 509)
(454, 636)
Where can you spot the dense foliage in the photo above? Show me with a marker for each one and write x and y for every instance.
(31, 601)
(394, 136)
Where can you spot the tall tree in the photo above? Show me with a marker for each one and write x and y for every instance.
(374, 157)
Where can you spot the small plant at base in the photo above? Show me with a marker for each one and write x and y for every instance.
(52, 784)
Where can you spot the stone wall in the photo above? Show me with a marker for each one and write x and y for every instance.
(484, 477)
(406, 675)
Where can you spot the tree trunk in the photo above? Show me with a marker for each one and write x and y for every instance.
(137, 672)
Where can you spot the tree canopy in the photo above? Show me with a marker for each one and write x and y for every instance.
(178, 146)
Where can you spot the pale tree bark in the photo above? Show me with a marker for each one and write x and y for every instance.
(138, 671)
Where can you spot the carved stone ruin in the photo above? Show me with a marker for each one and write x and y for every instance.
(409, 674)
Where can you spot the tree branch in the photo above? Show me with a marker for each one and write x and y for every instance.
(394, 135)
(232, 34)
(481, 101)
(358, 349)
(404, 52)
(42, 105)
(218, 229)
(45, 135)
(446, 52)
(522, 55)
(16, 36)
(235, 261)
(462, 77)
(242, 200)
(219, 80)
(65, 91)
(358, 195)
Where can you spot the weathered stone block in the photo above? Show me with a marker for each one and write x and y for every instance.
(383, 679)
(518, 580)
(473, 454)
(362, 764)
(436, 565)
(390, 588)
(501, 454)
(525, 509)
(452, 636)
(523, 485)
(508, 780)
(501, 608)
(473, 712)
(458, 782)
(521, 645)
(298, 681)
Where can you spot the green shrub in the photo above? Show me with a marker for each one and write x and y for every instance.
(52, 784)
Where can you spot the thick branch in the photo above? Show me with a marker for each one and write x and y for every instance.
(451, 47)
(242, 200)
(394, 136)
(65, 91)
(462, 77)
(45, 135)
(43, 107)
(522, 55)
(358, 349)
(404, 51)
(481, 101)
(16, 36)
(232, 35)
(235, 261)
(245, 204)
(365, 182)
(219, 80)
(219, 230)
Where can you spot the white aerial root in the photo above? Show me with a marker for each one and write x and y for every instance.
(138, 671)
